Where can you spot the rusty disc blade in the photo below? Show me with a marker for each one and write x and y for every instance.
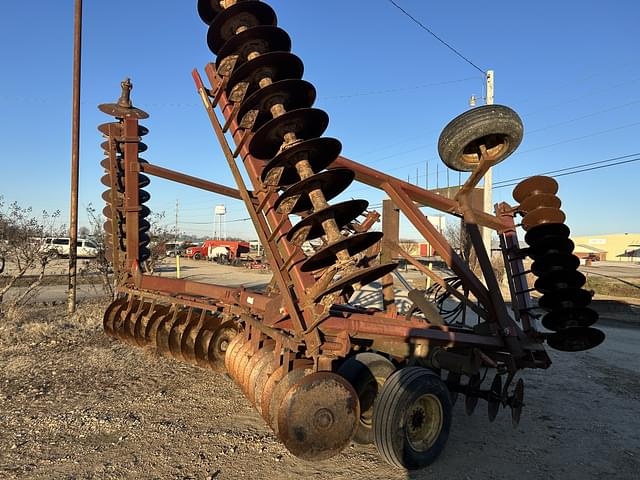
(245, 374)
(143, 227)
(265, 369)
(189, 336)
(331, 182)
(240, 361)
(142, 322)
(565, 298)
(534, 185)
(202, 347)
(541, 216)
(495, 396)
(517, 402)
(104, 163)
(353, 244)
(274, 65)
(164, 330)
(106, 181)
(310, 227)
(575, 339)
(554, 262)
(363, 277)
(536, 234)
(203, 338)
(569, 318)
(208, 9)
(219, 344)
(116, 130)
(318, 416)
(272, 382)
(143, 196)
(305, 123)
(176, 333)
(110, 314)
(152, 327)
(291, 94)
(281, 389)
(254, 367)
(319, 152)
(119, 111)
(130, 321)
(559, 279)
(248, 14)
(142, 147)
(262, 39)
(539, 200)
(235, 343)
(550, 244)
(143, 180)
(118, 323)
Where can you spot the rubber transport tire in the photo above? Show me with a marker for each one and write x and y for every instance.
(197, 256)
(412, 399)
(498, 127)
(366, 372)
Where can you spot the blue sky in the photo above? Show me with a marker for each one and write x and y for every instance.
(570, 69)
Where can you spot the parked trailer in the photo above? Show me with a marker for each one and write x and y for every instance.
(323, 371)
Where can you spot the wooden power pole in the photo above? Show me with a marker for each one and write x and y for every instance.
(75, 159)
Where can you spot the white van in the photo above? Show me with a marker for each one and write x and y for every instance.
(85, 248)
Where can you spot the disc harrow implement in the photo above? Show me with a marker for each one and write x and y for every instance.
(121, 149)
(564, 299)
(322, 366)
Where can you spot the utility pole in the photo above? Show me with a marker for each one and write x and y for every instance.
(177, 206)
(75, 159)
(487, 196)
(426, 176)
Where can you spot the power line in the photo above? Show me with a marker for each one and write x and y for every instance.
(428, 30)
(582, 117)
(570, 168)
(568, 140)
(578, 171)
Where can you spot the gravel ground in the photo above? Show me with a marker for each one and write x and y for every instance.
(75, 403)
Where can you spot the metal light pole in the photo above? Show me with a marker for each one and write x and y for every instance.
(488, 180)
(75, 158)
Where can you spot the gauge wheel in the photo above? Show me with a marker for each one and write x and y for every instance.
(412, 418)
(496, 127)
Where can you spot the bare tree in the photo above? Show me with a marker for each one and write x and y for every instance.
(159, 235)
(23, 250)
(100, 265)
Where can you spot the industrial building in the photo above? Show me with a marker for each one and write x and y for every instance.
(615, 247)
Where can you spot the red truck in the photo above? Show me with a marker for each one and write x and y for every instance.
(235, 249)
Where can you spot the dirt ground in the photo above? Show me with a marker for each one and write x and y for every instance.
(75, 403)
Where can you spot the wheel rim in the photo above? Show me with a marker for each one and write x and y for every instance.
(424, 422)
(495, 144)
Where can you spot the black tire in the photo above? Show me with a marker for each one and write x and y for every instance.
(412, 418)
(498, 127)
(366, 372)
(197, 256)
